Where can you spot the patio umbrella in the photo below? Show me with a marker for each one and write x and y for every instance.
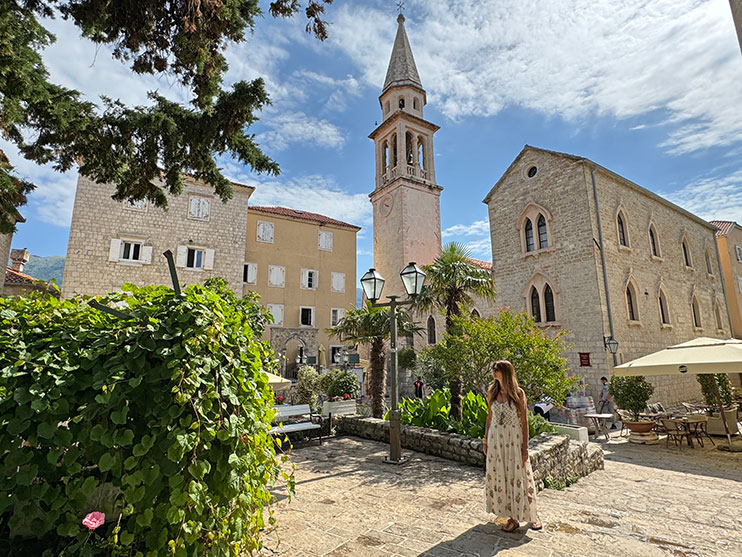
(698, 356)
(277, 383)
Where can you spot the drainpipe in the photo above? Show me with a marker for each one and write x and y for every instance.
(602, 262)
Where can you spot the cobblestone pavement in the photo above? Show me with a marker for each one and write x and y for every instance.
(649, 501)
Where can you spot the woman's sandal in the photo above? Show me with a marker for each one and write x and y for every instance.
(511, 526)
(538, 525)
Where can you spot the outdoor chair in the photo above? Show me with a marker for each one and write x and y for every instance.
(625, 417)
(675, 431)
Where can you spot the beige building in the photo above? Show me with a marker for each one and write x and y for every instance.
(589, 252)
(729, 242)
(303, 265)
(115, 242)
(18, 283)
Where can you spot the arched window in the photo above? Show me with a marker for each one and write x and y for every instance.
(385, 155)
(664, 315)
(631, 303)
(415, 104)
(401, 102)
(475, 313)
(535, 305)
(549, 304)
(529, 235)
(653, 242)
(543, 239)
(409, 156)
(386, 107)
(695, 313)
(686, 255)
(717, 313)
(622, 238)
(709, 269)
(421, 153)
(431, 330)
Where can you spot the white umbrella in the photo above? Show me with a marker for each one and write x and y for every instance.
(698, 356)
(277, 383)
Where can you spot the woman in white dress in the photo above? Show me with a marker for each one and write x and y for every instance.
(510, 491)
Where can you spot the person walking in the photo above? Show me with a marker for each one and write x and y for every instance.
(509, 488)
(419, 387)
(606, 401)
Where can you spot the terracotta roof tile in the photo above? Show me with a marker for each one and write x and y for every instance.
(724, 227)
(486, 265)
(302, 215)
(16, 277)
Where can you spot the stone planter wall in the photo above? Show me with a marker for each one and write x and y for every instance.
(552, 456)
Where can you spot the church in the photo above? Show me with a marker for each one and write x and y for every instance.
(580, 248)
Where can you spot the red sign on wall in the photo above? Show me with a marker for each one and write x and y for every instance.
(584, 359)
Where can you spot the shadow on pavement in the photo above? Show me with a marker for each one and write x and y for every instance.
(482, 540)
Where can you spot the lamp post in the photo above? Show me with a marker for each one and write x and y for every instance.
(372, 282)
(610, 344)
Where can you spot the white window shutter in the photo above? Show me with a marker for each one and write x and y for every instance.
(182, 256)
(209, 259)
(278, 316)
(252, 273)
(338, 282)
(282, 275)
(304, 278)
(146, 255)
(115, 251)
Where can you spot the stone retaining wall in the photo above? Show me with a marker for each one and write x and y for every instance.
(552, 456)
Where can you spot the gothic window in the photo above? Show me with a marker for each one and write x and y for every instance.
(653, 242)
(386, 107)
(549, 304)
(385, 155)
(529, 235)
(543, 239)
(431, 330)
(664, 315)
(415, 103)
(695, 312)
(394, 150)
(717, 313)
(535, 305)
(408, 148)
(421, 153)
(631, 303)
(686, 255)
(709, 268)
(401, 102)
(475, 314)
(622, 237)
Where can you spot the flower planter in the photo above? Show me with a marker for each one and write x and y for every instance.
(339, 407)
(641, 433)
(576, 432)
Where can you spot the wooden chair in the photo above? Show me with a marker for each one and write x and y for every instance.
(625, 417)
(675, 431)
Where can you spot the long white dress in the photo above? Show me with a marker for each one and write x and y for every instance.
(509, 487)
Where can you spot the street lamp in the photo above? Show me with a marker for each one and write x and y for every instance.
(372, 282)
(610, 344)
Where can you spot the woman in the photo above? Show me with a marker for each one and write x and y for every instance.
(510, 491)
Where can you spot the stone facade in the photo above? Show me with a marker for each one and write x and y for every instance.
(737, 16)
(97, 263)
(552, 456)
(559, 188)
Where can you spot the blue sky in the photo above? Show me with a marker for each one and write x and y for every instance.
(650, 89)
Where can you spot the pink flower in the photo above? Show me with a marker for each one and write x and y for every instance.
(93, 520)
(346, 396)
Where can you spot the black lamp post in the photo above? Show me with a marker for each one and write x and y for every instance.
(372, 282)
(610, 344)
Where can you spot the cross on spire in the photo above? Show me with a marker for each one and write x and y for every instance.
(400, 6)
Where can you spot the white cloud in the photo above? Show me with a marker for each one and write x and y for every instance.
(477, 228)
(481, 249)
(574, 59)
(297, 127)
(713, 197)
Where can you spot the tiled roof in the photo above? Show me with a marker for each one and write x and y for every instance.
(486, 265)
(724, 227)
(302, 215)
(16, 277)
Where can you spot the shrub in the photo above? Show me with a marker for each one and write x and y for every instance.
(406, 359)
(709, 392)
(339, 382)
(308, 386)
(631, 393)
(537, 424)
(433, 373)
(159, 420)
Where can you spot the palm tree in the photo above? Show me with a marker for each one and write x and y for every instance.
(450, 283)
(372, 325)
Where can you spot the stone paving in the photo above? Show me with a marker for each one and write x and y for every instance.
(649, 501)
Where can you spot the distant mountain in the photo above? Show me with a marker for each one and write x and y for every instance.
(46, 268)
(359, 297)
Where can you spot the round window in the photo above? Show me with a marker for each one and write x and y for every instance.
(532, 171)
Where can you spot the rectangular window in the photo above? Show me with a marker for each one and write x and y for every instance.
(338, 282)
(265, 232)
(309, 279)
(325, 240)
(276, 276)
(130, 250)
(250, 273)
(306, 316)
(195, 258)
(336, 315)
(276, 310)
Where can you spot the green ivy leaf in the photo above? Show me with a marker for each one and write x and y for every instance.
(106, 462)
(126, 538)
(46, 430)
(119, 417)
(144, 519)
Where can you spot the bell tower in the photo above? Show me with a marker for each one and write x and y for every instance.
(406, 198)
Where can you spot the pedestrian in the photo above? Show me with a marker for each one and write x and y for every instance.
(419, 387)
(509, 488)
(606, 401)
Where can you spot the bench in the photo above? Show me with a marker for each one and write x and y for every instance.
(306, 423)
(339, 408)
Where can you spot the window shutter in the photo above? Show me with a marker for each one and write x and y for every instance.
(146, 255)
(304, 278)
(209, 259)
(338, 282)
(115, 251)
(252, 273)
(182, 256)
(278, 315)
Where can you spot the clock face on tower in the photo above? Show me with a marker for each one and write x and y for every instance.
(198, 208)
(385, 206)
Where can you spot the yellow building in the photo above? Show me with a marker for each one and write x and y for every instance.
(729, 241)
(303, 265)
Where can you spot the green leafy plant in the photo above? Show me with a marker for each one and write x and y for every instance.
(537, 424)
(158, 420)
(338, 382)
(406, 359)
(554, 483)
(709, 392)
(631, 393)
(308, 386)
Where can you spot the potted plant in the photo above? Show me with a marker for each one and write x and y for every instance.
(632, 393)
(341, 387)
(715, 424)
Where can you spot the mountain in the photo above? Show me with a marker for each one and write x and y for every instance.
(46, 268)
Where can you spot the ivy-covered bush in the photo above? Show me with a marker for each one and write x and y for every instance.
(338, 382)
(158, 420)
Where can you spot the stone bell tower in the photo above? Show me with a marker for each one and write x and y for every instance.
(406, 199)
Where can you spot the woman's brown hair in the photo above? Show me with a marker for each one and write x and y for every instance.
(510, 384)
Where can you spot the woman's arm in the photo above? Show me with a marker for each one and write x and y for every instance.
(487, 429)
(524, 425)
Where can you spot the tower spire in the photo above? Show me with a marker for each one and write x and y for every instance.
(402, 70)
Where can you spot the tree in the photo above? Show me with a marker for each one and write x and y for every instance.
(476, 344)
(372, 325)
(136, 147)
(450, 283)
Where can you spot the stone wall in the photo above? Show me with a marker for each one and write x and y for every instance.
(552, 456)
(5, 241)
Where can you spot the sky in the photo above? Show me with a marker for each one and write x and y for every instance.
(651, 89)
